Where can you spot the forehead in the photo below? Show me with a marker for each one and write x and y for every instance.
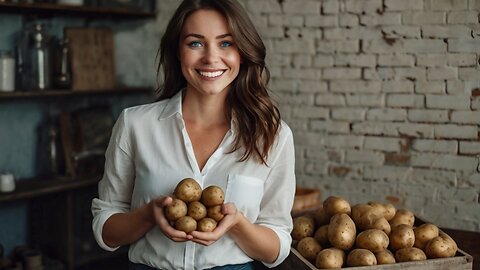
(205, 22)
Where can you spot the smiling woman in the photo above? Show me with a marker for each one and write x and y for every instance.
(214, 122)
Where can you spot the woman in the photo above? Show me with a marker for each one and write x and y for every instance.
(216, 123)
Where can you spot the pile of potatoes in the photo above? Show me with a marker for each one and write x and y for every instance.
(338, 235)
(193, 209)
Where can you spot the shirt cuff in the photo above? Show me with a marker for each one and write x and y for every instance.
(99, 219)
(285, 242)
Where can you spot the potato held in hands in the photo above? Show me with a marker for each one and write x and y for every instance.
(188, 190)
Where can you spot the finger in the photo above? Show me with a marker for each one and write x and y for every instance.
(203, 242)
(162, 202)
(229, 208)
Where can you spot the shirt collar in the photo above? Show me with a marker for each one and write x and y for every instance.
(174, 106)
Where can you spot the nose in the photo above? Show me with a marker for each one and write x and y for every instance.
(211, 55)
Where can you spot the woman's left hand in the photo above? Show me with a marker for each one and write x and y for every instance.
(230, 219)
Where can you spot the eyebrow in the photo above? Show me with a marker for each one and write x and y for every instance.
(202, 37)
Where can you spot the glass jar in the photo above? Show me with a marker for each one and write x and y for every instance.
(38, 58)
(7, 71)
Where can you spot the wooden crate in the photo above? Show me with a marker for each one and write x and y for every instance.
(461, 261)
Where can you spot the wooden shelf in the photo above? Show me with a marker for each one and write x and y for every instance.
(62, 93)
(47, 9)
(31, 188)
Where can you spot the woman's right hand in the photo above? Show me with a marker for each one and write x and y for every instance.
(158, 206)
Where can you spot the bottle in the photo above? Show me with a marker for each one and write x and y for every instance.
(53, 149)
(39, 59)
(62, 77)
(7, 71)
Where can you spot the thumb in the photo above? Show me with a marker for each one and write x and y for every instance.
(229, 208)
(164, 201)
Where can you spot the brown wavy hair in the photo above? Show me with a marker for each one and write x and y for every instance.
(257, 118)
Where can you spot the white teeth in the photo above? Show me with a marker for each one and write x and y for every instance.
(211, 74)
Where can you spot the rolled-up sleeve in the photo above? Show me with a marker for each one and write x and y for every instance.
(115, 187)
(279, 194)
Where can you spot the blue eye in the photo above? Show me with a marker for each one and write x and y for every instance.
(195, 44)
(225, 44)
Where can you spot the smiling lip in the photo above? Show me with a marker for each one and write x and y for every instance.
(211, 74)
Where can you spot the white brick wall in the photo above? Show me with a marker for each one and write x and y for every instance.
(380, 95)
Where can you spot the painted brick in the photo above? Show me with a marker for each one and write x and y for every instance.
(284, 85)
(348, 20)
(366, 157)
(294, 99)
(338, 46)
(476, 103)
(292, 32)
(330, 6)
(447, 5)
(405, 100)
(348, 114)
(464, 45)
(301, 7)
(384, 144)
(311, 33)
(271, 32)
(342, 73)
(330, 100)
(294, 46)
(355, 60)
(462, 17)
(410, 73)
(442, 161)
(330, 126)
(401, 31)
(431, 60)
(386, 114)
(378, 74)
(471, 148)
(302, 60)
(451, 131)
(428, 116)
(448, 102)
(460, 60)
(363, 6)
(365, 100)
(388, 18)
(466, 117)
(405, 46)
(352, 33)
(445, 73)
(355, 86)
(321, 21)
(267, 6)
(397, 87)
(433, 176)
(312, 86)
(396, 60)
(323, 61)
(285, 20)
(424, 87)
(396, 5)
(468, 74)
(456, 88)
(310, 112)
(394, 129)
(387, 173)
(424, 18)
(304, 73)
(451, 31)
(436, 146)
(344, 141)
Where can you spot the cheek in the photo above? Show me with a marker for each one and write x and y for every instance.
(233, 60)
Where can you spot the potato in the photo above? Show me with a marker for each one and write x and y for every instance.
(213, 195)
(442, 246)
(390, 211)
(402, 216)
(373, 240)
(410, 254)
(385, 257)
(186, 224)
(336, 205)
(423, 234)
(321, 217)
(361, 257)
(378, 207)
(321, 235)
(215, 212)
(330, 258)
(197, 210)
(308, 247)
(188, 190)
(175, 210)
(303, 226)
(365, 215)
(342, 232)
(206, 225)
(402, 236)
(380, 224)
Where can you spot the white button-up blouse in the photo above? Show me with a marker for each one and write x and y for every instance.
(150, 152)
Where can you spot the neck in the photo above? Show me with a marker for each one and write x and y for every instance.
(204, 110)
